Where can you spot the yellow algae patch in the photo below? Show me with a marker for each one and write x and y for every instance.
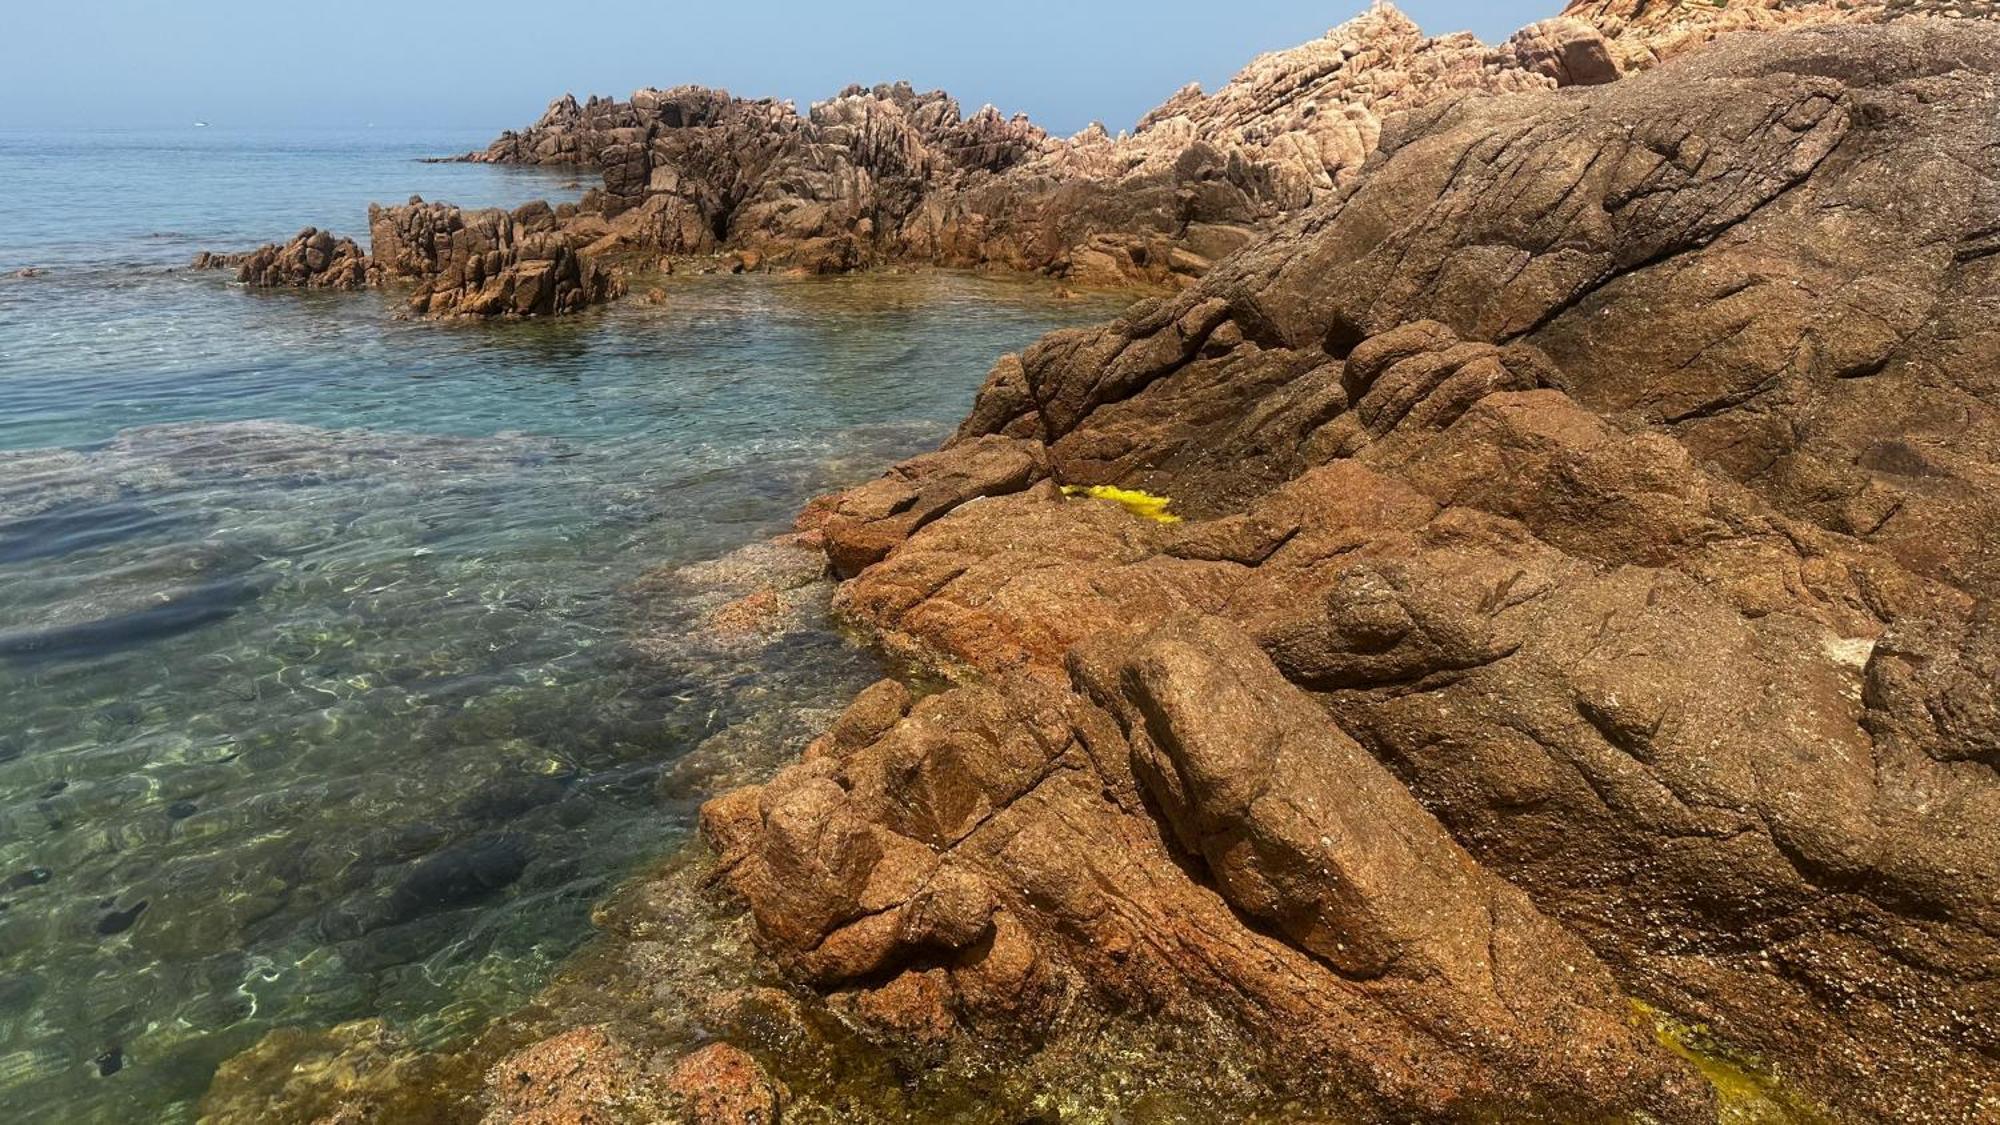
(1145, 505)
(1745, 1093)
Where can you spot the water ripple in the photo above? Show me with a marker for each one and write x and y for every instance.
(338, 674)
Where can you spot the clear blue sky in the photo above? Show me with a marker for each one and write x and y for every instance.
(496, 63)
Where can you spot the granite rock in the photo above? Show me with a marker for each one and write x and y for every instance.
(1586, 552)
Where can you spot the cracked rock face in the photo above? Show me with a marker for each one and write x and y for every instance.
(884, 175)
(1644, 33)
(1584, 597)
(487, 263)
(313, 259)
(491, 263)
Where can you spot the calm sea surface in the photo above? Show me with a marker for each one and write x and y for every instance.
(327, 689)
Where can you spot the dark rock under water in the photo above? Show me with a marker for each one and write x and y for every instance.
(79, 527)
(181, 612)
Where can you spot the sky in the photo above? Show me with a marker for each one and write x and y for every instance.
(492, 64)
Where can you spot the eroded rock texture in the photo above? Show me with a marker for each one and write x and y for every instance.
(1643, 33)
(487, 263)
(313, 259)
(886, 174)
(531, 262)
(1585, 596)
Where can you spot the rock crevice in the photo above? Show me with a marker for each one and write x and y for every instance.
(1556, 620)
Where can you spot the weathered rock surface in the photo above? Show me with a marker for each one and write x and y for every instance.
(313, 259)
(886, 175)
(722, 1085)
(1585, 594)
(1644, 33)
(487, 263)
(480, 263)
(995, 851)
(580, 1077)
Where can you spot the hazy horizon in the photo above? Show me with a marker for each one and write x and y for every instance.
(110, 64)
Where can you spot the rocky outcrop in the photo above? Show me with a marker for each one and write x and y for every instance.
(888, 175)
(1582, 596)
(994, 852)
(1644, 33)
(313, 259)
(488, 263)
(474, 264)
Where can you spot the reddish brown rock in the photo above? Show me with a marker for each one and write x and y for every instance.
(487, 263)
(313, 259)
(860, 526)
(993, 847)
(580, 1077)
(1588, 556)
(1568, 50)
(1644, 34)
(721, 1085)
(887, 174)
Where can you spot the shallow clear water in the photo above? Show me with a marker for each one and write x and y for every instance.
(329, 686)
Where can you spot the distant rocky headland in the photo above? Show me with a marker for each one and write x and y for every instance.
(886, 176)
(1507, 634)
(696, 178)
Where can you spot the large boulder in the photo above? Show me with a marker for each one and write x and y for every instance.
(313, 259)
(487, 263)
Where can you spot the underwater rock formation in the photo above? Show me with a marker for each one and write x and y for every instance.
(1583, 599)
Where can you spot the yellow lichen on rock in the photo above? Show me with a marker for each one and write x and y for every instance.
(1145, 505)
(1746, 1093)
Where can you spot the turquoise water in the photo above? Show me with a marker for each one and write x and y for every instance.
(340, 656)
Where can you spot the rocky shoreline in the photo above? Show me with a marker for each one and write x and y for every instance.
(1509, 637)
(886, 177)
(889, 177)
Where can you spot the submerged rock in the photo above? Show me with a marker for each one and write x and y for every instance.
(579, 1077)
(462, 873)
(721, 1085)
(169, 614)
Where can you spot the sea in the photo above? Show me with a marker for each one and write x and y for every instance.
(337, 675)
